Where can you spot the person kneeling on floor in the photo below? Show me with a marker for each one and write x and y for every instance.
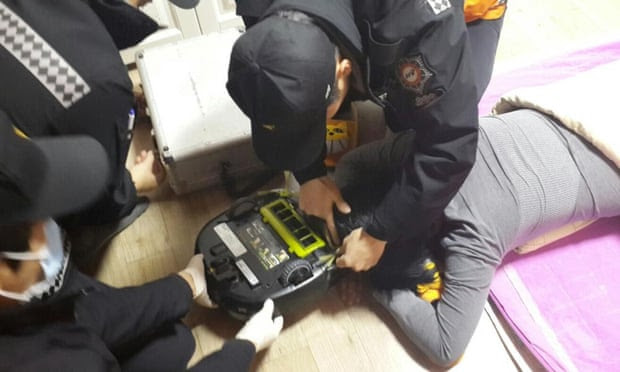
(52, 317)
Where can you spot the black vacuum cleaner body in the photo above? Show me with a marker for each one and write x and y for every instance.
(263, 247)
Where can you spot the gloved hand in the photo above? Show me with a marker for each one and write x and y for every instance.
(261, 329)
(196, 270)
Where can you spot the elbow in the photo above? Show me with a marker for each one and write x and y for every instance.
(448, 362)
(445, 358)
(447, 352)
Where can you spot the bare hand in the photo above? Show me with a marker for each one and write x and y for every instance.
(317, 198)
(360, 251)
(147, 173)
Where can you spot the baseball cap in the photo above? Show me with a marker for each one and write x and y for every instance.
(280, 75)
(185, 4)
(49, 176)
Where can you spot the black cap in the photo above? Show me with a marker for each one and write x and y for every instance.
(185, 4)
(280, 75)
(48, 177)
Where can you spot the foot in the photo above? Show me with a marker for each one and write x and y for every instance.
(147, 173)
(194, 275)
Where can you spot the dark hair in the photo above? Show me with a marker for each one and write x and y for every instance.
(15, 238)
(334, 93)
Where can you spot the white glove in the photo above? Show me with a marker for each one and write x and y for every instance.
(196, 269)
(261, 329)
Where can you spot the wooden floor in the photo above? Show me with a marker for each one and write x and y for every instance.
(331, 336)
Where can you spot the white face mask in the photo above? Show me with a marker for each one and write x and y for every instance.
(51, 257)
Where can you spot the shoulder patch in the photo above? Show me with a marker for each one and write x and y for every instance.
(439, 6)
(413, 74)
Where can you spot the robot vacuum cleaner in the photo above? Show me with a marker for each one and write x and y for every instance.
(264, 247)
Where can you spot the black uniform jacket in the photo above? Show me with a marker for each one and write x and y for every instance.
(416, 61)
(57, 57)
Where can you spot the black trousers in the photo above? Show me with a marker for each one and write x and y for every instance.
(140, 325)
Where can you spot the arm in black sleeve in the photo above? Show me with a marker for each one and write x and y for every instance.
(315, 170)
(127, 25)
(444, 115)
(235, 356)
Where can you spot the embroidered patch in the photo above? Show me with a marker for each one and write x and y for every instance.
(439, 6)
(413, 74)
(40, 58)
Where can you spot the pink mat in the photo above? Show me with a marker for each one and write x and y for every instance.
(546, 71)
(563, 300)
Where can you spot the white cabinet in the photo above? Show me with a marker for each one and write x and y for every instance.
(217, 15)
(209, 16)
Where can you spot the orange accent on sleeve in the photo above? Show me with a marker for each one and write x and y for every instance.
(483, 9)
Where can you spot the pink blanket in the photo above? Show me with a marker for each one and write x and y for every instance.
(564, 299)
(547, 71)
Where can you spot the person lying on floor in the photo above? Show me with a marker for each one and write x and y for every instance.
(52, 317)
(531, 175)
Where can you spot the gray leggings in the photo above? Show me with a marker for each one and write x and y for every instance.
(531, 175)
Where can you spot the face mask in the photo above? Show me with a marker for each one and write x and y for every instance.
(51, 258)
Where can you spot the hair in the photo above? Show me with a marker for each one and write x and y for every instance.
(15, 238)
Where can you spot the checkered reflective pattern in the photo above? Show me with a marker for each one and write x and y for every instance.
(60, 277)
(43, 62)
(439, 6)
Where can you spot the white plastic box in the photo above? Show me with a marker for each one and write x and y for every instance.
(198, 129)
